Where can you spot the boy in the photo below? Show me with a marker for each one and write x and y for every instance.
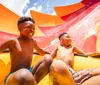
(21, 52)
(62, 67)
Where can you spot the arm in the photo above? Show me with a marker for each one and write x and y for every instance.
(95, 54)
(7, 45)
(39, 50)
(6, 51)
(4, 46)
(79, 52)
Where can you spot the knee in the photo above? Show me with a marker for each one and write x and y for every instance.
(58, 66)
(24, 75)
(96, 71)
(48, 59)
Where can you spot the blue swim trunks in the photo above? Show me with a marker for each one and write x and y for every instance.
(9, 75)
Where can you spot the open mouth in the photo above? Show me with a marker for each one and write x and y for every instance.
(30, 34)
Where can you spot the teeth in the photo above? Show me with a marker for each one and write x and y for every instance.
(30, 34)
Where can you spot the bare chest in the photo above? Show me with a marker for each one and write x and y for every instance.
(27, 48)
(64, 53)
(22, 49)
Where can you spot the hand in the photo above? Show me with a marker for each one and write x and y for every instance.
(96, 54)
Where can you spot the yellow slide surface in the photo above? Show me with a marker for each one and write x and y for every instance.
(80, 63)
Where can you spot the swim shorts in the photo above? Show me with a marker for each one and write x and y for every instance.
(82, 75)
(9, 75)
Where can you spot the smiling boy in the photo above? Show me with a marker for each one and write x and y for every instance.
(21, 51)
(62, 67)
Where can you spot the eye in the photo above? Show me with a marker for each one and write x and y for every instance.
(67, 36)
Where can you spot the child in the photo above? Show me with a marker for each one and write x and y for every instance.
(62, 67)
(21, 52)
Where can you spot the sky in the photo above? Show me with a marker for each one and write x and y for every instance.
(23, 7)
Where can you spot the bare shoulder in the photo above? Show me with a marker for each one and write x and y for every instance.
(34, 42)
(7, 44)
(74, 46)
(11, 41)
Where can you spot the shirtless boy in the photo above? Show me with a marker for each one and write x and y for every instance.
(21, 51)
(62, 67)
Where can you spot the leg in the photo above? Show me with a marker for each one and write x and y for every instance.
(53, 80)
(95, 80)
(22, 77)
(42, 68)
(59, 70)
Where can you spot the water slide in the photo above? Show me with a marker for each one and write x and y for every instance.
(82, 23)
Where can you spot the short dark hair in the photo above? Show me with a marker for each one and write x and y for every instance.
(24, 18)
(62, 34)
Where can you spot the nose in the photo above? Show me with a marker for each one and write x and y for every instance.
(32, 30)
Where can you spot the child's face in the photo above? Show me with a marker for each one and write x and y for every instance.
(27, 29)
(66, 40)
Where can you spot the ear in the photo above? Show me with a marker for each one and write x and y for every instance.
(19, 28)
(61, 42)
